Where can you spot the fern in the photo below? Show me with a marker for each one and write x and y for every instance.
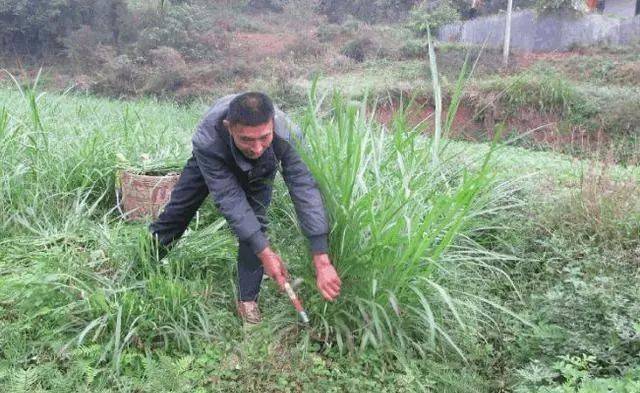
(183, 364)
(23, 381)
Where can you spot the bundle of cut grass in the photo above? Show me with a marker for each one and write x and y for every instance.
(156, 165)
(144, 189)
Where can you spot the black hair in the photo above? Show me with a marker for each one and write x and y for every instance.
(250, 109)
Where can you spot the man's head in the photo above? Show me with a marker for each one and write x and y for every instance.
(250, 123)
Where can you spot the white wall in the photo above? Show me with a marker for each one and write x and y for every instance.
(620, 8)
(531, 32)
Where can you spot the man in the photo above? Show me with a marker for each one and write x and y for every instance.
(236, 150)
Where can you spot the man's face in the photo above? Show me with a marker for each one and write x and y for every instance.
(252, 141)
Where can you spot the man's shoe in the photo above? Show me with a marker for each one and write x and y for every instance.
(249, 312)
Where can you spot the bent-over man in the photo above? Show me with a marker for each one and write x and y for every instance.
(237, 149)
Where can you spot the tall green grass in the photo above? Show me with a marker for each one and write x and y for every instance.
(72, 274)
(399, 217)
(73, 277)
(58, 151)
(404, 210)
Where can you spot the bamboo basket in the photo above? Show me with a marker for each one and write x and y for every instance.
(143, 196)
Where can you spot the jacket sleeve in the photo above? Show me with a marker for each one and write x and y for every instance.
(306, 198)
(230, 199)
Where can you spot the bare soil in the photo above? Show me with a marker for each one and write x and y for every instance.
(260, 45)
(541, 129)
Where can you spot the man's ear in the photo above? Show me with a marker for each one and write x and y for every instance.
(227, 124)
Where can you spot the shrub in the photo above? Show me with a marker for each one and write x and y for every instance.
(120, 77)
(620, 117)
(168, 73)
(339, 62)
(85, 49)
(270, 5)
(328, 32)
(390, 10)
(215, 40)
(545, 91)
(350, 25)
(626, 73)
(184, 27)
(358, 49)
(306, 47)
(301, 10)
(602, 209)
(233, 69)
(286, 94)
(413, 49)
(546, 6)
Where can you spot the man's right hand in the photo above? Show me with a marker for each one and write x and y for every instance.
(273, 266)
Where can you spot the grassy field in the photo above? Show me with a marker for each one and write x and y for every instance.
(466, 267)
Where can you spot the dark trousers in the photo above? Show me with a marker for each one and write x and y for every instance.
(187, 196)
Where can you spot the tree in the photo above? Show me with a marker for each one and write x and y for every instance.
(432, 15)
(545, 6)
(39, 27)
(370, 10)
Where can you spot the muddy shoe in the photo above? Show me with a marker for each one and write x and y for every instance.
(249, 312)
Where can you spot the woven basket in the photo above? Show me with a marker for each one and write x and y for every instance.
(142, 197)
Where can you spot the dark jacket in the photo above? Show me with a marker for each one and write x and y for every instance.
(230, 177)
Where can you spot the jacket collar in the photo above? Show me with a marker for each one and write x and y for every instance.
(238, 157)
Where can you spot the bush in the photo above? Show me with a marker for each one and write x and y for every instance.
(86, 51)
(413, 49)
(624, 74)
(286, 94)
(169, 71)
(185, 27)
(602, 209)
(620, 115)
(339, 62)
(269, 5)
(546, 6)
(546, 91)
(358, 49)
(228, 71)
(306, 47)
(327, 32)
(120, 77)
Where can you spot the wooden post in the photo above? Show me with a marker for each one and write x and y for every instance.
(507, 35)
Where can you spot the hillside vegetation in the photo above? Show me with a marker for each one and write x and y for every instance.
(527, 269)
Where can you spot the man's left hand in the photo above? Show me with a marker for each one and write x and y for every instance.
(327, 278)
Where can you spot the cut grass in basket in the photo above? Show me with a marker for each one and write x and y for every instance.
(150, 165)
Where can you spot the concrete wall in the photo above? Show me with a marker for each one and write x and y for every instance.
(620, 8)
(530, 32)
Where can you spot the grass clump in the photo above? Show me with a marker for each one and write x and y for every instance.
(546, 91)
(420, 243)
(398, 216)
(81, 295)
